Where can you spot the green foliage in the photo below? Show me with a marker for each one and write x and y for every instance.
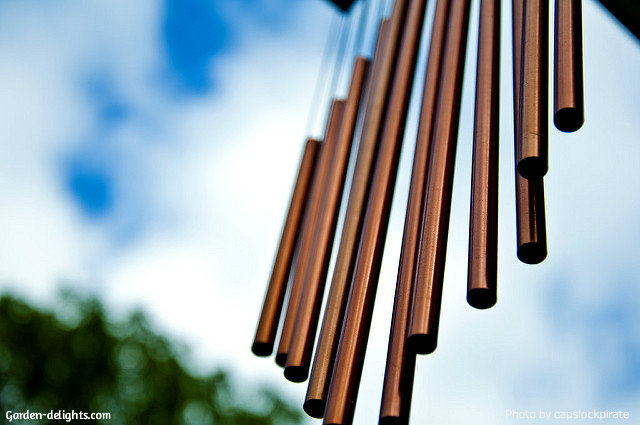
(75, 358)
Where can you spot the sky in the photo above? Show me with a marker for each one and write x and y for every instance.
(147, 154)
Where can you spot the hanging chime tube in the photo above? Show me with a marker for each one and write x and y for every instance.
(310, 222)
(530, 217)
(427, 287)
(274, 298)
(400, 367)
(568, 88)
(483, 228)
(531, 227)
(533, 133)
(306, 323)
(355, 332)
(351, 230)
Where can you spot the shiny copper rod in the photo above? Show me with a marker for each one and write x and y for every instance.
(533, 133)
(352, 228)
(568, 88)
(483, 227)
(400, 368)
(306, 323)
(531, 227)
(355, 332)
(304, 248)
(274, 298)
(530, 219)
(427, 287)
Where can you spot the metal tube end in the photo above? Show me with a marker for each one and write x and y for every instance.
(296, 373)
(314, 407)
(481, 298)
(422, 343)
(568, 119)
(392, 420)
(532, 167)
(281, 359)
(262, 349)
(532, 252)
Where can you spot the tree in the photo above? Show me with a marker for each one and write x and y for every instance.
(74, 358)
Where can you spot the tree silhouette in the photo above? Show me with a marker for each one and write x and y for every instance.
(74, 358)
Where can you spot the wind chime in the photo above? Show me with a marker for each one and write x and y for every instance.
(378, 97)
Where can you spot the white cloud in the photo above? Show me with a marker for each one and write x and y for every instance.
(215, 175)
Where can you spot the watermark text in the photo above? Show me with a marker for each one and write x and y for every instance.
(10, 415)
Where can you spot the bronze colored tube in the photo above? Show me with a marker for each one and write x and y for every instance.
(568, 88)
(531, 228)
(530, 219)
(427, 287)
(352, 228)
(400, 368)
(304, 330)
(355, 332)
(304, 249)
(483, 227)
(533, 132)
(274, 298)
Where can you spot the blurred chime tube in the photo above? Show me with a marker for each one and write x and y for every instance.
(400, 367)
(427, 288)
(530, 217)
(376, 94)
(306, 323)
(272, 307)
(303, 252)
(533, 132)
(483, 227)
(353, 340)
(568, 88)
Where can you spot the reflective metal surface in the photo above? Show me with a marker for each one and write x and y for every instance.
(274, 298)
(303, 251)
(483, 228)
(353, 340)
(400, 367)
(530, 216)
(568, 88)
(306, 323)
(533, 130)
(376, 95)
(427, 287)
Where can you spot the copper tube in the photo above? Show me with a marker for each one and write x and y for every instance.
(568, 88)
(306, 323)
(274, 298)
(427, 287)
(303, 251)
(533, 132)
(400, 367)
(483, 227)
(531, 228)
(530, 219)
(351, 230)
(355, 332)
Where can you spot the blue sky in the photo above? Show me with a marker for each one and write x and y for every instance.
(148, 151)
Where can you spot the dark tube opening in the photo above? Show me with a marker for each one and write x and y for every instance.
(481, 298)
(421, 343)
(281, 359)
(568, 120)
(262, 349)
(392, 420)
(314, 407)
(532, 252)
(296, 373)
(532, 167)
